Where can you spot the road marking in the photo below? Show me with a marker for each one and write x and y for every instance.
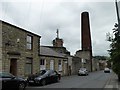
(109, 86)
(112, 84)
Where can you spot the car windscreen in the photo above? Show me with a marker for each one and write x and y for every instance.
(4, 74)
(106, 68)
(42, 72)
(82, 69)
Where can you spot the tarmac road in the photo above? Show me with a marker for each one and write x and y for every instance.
(97, 79)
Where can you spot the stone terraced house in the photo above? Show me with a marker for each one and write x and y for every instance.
(22, 55)
(19, 50)
(50, 59)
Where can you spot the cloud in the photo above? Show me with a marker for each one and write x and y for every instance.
(45, 17)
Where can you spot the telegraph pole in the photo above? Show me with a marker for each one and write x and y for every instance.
(118, 18)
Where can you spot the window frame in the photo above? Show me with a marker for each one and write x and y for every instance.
(42, 61)
(60, 65)
(29, 41)
(29, 63)
(42, 64)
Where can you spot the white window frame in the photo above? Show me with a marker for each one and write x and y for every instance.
(29, 42)
(52, 64)
(43, 64)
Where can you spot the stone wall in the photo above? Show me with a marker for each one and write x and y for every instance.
(76, 64)
(85, 55)
(14, 46)
(55, 59)
(95, 65)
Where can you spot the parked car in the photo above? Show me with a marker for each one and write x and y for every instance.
(106, 70)
(82, 71)
(11, 82)
(44, 77)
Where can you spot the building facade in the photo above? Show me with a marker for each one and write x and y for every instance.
(85, 58)
(75, 65)
(95, 63)
(50, 59)
(73, 62)
(20, 50)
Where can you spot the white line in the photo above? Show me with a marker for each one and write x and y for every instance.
(109, 86)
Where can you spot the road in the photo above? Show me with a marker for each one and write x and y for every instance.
(97, 79)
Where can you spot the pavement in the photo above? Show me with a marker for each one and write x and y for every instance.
(113, 82)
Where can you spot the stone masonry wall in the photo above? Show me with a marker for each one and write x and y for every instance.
(86, 56)
(55, 63)
(14, 40)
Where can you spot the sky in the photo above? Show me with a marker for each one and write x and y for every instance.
(44, 17)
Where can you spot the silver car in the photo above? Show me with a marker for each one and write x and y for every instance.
(82, 71)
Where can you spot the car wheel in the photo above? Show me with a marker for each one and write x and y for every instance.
(43, 82)
(21, 86)
(58, 80)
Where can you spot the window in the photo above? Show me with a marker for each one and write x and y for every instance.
(5, 75)
(60, 65)
(59, 62)
(28, 66)
(29, 42)
(52, 72)
(42, 64)
(52, 64)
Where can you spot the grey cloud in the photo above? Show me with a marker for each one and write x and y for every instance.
(45, 19)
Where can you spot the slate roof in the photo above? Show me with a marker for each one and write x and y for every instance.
(3, 22)
(50, 52)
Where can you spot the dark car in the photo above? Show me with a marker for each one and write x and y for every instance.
(11, 82)
(44, 77)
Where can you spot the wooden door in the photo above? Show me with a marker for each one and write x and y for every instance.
(13, 66)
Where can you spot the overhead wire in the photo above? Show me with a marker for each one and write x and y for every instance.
(41, 13)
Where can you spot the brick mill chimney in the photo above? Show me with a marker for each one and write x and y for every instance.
(86, 35)
(86, 53)
(85, 31)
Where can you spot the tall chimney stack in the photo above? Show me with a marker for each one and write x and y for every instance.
(86, 53)
(85, 31)
(86, 36)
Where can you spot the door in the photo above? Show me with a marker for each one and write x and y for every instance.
(52, 64)
(65, 68)
(13, 66)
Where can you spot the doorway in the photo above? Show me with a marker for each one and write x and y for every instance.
(52, 64)
(13, 66)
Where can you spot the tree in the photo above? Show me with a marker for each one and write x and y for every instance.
(100, 57)
(115, 51)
